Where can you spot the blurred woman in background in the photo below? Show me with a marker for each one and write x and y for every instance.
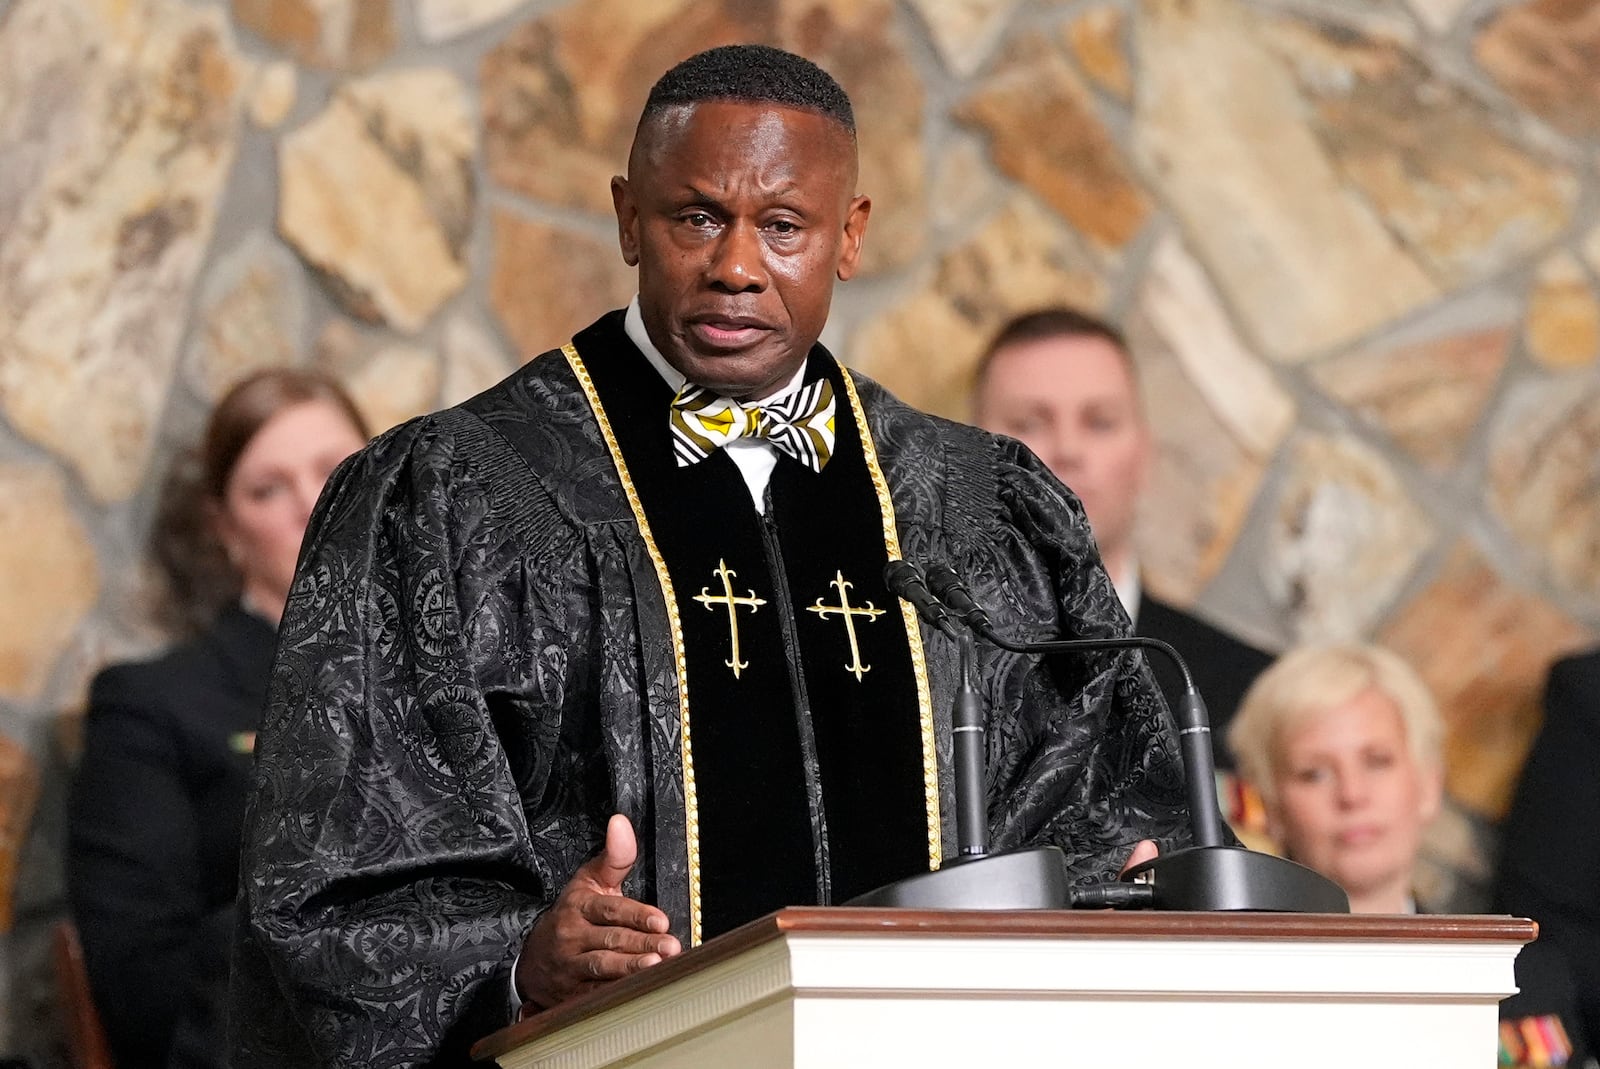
(1345, 746)
(1343, 743)
(157, 804)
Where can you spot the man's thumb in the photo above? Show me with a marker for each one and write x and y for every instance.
(620, 852)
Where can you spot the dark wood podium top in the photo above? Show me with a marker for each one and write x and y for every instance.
(1083, 924)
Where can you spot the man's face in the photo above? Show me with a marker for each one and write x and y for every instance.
(739, 217)
(1073, 402)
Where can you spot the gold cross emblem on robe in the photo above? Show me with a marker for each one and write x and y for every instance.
(734, 604)
(849, 612)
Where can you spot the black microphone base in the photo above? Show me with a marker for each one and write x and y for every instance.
(1214, 878)
(1023, 879)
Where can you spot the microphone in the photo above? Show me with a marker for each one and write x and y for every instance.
(1194, 725)
(1033, 878)
(1208, 875)
(948, 588)
(905, 580)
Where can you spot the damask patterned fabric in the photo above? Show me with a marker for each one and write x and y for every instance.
(475, 670)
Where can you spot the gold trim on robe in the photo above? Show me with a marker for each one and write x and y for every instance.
(919, 662)
(691, 814)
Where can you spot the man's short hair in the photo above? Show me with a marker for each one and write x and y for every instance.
(754, 74)
(1058, 321)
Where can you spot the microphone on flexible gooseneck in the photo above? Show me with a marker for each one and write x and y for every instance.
(1033, 878)
(905, 580)
(1194, 725)
(1208, 875)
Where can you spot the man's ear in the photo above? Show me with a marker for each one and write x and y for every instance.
(627, 219)
(855, 231)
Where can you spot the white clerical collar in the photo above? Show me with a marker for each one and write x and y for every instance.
(633, 323)
(754, 457)
(1129, 590)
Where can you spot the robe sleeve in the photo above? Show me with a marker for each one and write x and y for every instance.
(389, 875)
(1083, 754)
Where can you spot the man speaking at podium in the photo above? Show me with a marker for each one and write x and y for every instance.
(601, 663)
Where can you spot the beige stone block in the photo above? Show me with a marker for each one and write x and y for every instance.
(19, 793)
(1563, 325)
(1546, 54)
(377, 194)
(560, 102)
(964, 185)
(48, 572)
(340, 348)
(1096, 39)
(473, 361)
(1484, 647)
(440, 20)
(1428, 386)
(1218, 417)
(1438, 15)
(1591, 250)
(272, 94)
(1043, 132)
(397, 383)
(548, 283)
(1445, 173)
(118, 127)
(1222, 131)
(1184, 309)
(964, 31)
(334, 34)
(1541, 472)
(1202, 481)
(924, 347)
(251, 315)
(1343, 537)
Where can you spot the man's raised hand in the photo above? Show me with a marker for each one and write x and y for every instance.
(593, 934)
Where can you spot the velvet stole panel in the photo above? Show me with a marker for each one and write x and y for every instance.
(799, 801)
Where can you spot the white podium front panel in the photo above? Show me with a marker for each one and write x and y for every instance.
(833, 989)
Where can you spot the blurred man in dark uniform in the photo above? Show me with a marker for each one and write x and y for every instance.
(1064, 384)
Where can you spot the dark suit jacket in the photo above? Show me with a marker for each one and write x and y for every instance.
(1547, 987)
(1223, 666)
(1550, 866)
(154, 823)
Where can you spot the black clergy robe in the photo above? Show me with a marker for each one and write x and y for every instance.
(480, 662)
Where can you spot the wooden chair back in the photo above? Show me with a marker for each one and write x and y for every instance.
(86, 1037)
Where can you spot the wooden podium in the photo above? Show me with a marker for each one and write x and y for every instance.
(844, 988)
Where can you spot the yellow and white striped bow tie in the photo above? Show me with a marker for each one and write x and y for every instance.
(800, 424)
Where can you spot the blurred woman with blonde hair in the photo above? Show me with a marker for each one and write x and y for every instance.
(1343, 743)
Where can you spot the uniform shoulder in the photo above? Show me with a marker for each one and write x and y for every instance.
(1580, 668)
(1572, 692)
(1184, 629)
(153, 686)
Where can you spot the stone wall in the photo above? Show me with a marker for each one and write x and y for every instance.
(1354, 241)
